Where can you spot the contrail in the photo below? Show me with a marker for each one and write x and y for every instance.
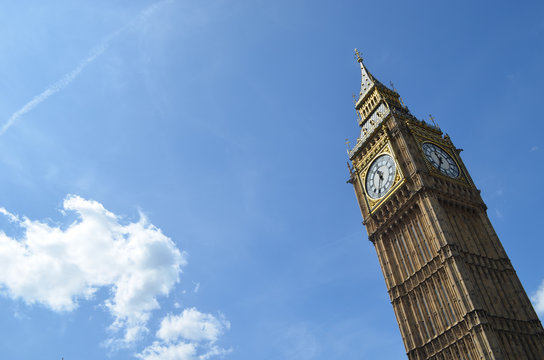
(69, 77)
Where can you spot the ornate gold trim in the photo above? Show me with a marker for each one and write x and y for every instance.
(448, 149)
(362, 161)
(384, 148)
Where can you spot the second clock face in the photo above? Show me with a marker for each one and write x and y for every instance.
(440, 160)
(380, 176)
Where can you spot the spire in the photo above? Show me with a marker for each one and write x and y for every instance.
(367, 80)
(375, 103)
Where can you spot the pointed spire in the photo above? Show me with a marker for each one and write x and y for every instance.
(374, 105)
(367, 80)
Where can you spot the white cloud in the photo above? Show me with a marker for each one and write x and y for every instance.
(538, 300)
(181, 351)
(190, 335)
(57, 266)
(192, 325)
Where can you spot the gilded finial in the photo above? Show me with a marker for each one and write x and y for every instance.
(354, 98)
(347, 146)
(350, 169)
(358, 56)
(402, 103)
(359, 118)
(431, 117)
(392, 86)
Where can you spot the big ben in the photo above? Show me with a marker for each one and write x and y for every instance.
(454, 291)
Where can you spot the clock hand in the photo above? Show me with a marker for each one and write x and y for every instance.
(380, 174)
(440, 163)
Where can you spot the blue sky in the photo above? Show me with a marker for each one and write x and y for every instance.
(173, 173)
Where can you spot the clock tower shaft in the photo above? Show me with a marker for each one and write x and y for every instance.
(453, 288)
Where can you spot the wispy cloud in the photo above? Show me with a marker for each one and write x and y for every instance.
(72, 75)
(300, 342)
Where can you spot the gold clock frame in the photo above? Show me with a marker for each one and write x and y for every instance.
(399, 179)
(423, 134)
(462, 178)
(430, 166)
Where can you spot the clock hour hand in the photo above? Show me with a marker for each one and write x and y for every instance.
(380, 175)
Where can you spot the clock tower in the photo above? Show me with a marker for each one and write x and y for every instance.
(453, 289)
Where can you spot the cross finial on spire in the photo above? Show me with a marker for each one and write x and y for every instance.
(358, 56)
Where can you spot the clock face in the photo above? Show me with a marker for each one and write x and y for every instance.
(440, 160)
(380, 176)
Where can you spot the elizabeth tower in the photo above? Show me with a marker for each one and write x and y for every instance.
(454, 291)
